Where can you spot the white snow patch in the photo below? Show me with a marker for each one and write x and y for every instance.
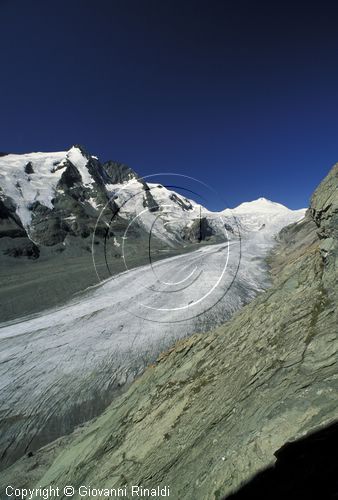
(75, 156)
(25, 189)
(94, 203)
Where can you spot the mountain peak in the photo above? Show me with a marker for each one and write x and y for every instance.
(81, 149)
(261, 204)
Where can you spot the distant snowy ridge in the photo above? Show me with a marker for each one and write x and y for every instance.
(264, 216)
(261, 205)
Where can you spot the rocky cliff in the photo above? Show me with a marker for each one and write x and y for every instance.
(213, 410)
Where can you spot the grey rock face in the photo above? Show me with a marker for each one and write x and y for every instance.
(149, 201)
(183, 203)
(118, 172)
(200, 230)
(212, 411)
(10, 225)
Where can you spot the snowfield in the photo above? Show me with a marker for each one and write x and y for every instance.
(39, 182)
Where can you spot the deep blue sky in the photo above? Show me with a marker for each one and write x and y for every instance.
(240, 94)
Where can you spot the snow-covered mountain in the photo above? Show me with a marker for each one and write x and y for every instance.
(263, 216)
(53, 197)
(67, 198)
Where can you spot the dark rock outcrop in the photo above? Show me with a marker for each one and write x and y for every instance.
(10, 225)
(29, 168)
(184, 203)
(200, 230)
(117, 172)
